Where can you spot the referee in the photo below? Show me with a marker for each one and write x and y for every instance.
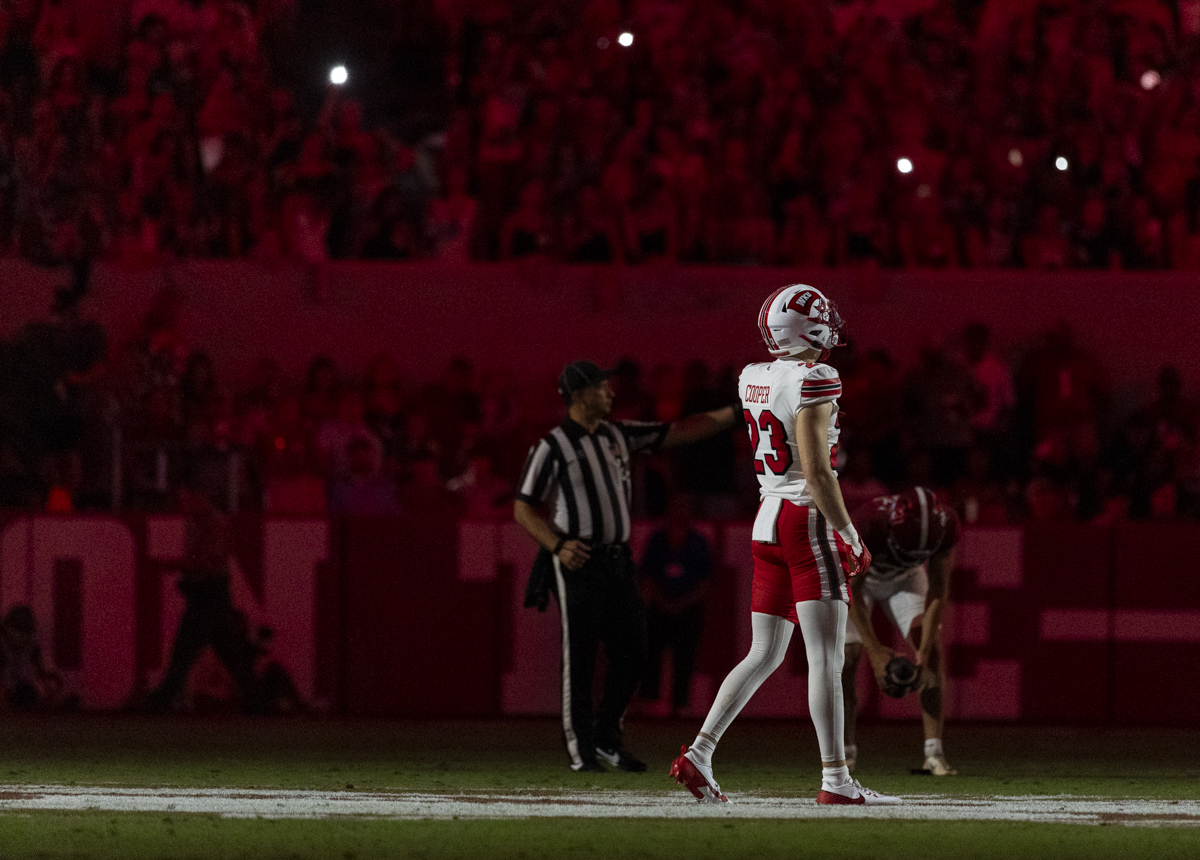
(580, 472)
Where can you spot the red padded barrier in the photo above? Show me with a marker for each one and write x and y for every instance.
(1055, 624)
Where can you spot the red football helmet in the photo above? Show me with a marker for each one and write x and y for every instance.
(918, 525)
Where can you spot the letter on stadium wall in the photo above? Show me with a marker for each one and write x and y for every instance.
(78, 576)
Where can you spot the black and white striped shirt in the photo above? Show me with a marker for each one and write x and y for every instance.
(585, 477)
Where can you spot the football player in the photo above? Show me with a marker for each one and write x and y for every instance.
(911, 538)
(804, 545)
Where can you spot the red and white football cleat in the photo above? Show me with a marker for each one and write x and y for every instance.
(696, 778)
(854, 793)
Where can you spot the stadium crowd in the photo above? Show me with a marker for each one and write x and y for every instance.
(88, 425)
(1042, 134)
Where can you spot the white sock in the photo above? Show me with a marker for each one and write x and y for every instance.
(702, 749)
(834, 777)
(933, 746)
(823, 625)
(770, 636)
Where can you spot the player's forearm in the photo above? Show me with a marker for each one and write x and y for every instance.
(938, 573)
(700, 426)
(863, 623)
(537, 527)
(827, 495)
(930, 625)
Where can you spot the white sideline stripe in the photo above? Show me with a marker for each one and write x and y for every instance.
(1122, 625)
(250, 803)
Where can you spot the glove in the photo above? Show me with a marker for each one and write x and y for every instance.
(860, 556)
(900, 677)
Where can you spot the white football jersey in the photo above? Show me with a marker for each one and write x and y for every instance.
(772, 396)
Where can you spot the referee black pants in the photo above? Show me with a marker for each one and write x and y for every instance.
(599, 603)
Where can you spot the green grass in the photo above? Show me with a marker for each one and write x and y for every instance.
(771, 758)
(107, 837)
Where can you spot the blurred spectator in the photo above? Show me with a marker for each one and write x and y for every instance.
(1047, 501)
(198, 395)
(705, 470)
(992, 244)
(924, 134)
(363, 490)
(1096, 244)
(872, 398)
(209, 617)
(651, 227)
(390, 236)
(321, 390)
(335, 434)
(857, 482)
(630, 400)
(676, 570)
(427, 495)
(992, 415)
(1170, 425)
(926, 239)
(804, 240)
(528, 230)
(383, 411)
(290, 462)
(1045, 246)
(485, 496)
(25, 681)
(1062, 395)
(590, 232)
(977, 496)
(992, 377)
(450, 221)
(940, 395)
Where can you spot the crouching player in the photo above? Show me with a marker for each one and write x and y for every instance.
(911, 538)
(805, 547)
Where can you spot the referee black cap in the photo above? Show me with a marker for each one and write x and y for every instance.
(579, 375)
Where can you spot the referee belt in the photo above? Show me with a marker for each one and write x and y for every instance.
(615, 550)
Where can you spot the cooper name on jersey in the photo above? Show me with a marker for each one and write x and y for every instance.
(757, 394)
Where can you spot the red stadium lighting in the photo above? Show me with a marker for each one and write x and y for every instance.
(1150, 79)
(625, 40)
(904, 165)
(1061, 163)
(602, 43)
(1015, 158)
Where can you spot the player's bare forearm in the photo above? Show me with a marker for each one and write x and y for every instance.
(827, 496)
(700, 426)
(812, 440)
(938, 571)
(930, 623)
(860, 619)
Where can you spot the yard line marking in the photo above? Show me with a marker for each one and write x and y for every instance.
(297, 804)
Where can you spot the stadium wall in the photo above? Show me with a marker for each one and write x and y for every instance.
(535, 317)
(1063, 624)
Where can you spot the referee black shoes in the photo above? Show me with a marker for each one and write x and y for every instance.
(621, 758)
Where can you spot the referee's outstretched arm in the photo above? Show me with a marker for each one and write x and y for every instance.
(700, 426)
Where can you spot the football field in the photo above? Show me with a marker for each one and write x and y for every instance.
(133, 787)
